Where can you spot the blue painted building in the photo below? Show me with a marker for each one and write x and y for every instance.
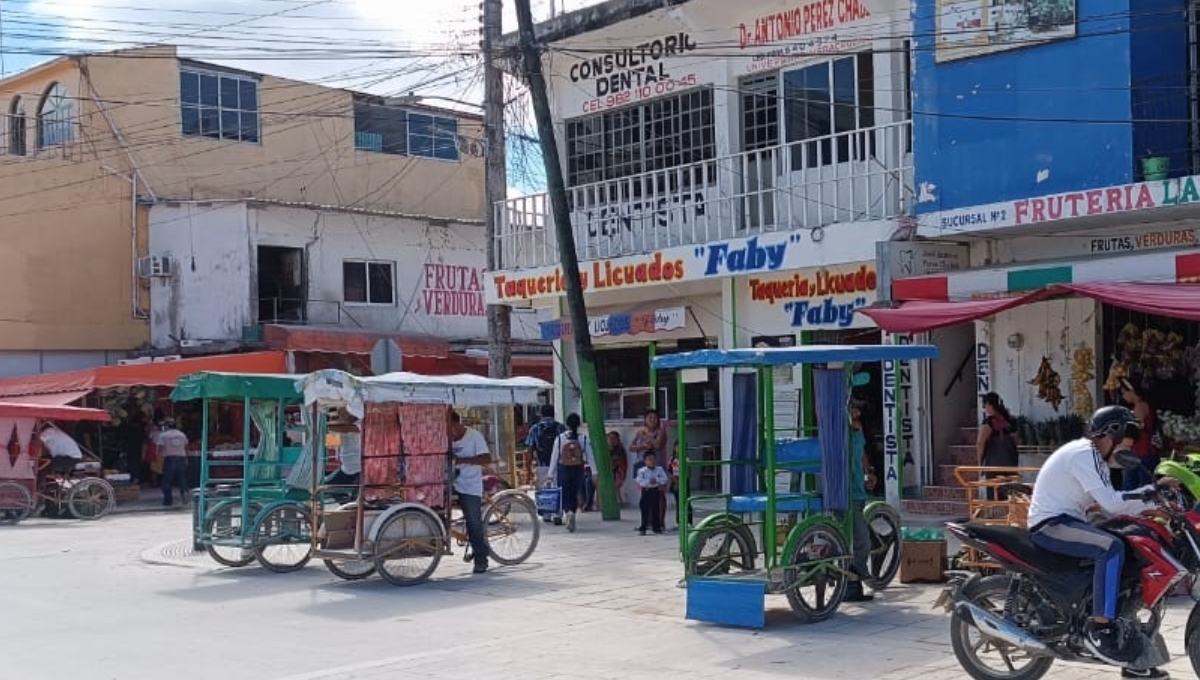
(1038, 97)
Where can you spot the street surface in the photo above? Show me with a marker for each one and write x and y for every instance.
(125, 599)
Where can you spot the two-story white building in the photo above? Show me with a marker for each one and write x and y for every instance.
(730, 168)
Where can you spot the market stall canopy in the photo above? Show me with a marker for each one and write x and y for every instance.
(1175, 300)
(152, 374)
(811, 354)
(255, 386)
(56, 399)
(41, 411)
(452, 390)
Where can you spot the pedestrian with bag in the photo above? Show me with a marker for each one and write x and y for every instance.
(996, 444)
(539, 444)
(572, 453)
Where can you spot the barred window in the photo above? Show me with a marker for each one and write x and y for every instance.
(664, 133)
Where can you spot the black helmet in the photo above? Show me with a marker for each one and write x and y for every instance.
(1114, 422)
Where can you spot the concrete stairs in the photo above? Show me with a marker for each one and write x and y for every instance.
(947, 498)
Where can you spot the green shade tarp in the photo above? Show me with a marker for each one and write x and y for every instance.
(237, 386)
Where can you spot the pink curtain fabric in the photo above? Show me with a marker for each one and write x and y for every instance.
(380, 450)
(426, 446)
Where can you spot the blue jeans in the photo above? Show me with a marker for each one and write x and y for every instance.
(1069, 536)
(174, 476)
(472, 509)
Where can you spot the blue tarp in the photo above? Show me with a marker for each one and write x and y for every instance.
(743, 476)
(812, 354)
(831, 392)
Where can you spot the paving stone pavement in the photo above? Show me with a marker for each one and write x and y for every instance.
(135, 603)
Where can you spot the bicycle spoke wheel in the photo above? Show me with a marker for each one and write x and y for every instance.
(223, 526)
(817, 573)
(91, 499)
(283, 538)
(720, 551)
(884, 525)
(408, 547)
(16, 503)
(513, 528)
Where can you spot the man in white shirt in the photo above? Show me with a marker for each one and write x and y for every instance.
(1075, 477)
(59, 444)
(172, 447)
(470, 451)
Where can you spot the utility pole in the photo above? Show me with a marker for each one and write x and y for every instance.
(585, 355)
(499, 317)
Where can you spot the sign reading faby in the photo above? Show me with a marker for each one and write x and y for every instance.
(634, 73)
(1070, 205)
(757, 254)
(629, 323)
(820, 298)
(809, 28)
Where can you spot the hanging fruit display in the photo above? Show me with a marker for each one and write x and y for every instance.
(1116, 371)
(1082, 373)
(1147, 355)
(1047, 381)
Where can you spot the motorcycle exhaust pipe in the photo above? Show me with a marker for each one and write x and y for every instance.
(996, 628)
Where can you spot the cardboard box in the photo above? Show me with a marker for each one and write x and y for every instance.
(922, 561)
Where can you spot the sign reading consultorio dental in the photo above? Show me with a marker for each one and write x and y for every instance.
(633, 74)
(824, 298)
(755, 255)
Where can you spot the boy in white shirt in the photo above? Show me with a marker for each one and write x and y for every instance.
(652, 480)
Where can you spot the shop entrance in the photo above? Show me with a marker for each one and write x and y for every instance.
(1153, 351)
(282, 295)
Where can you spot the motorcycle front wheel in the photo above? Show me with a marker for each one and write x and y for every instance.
(985, 659)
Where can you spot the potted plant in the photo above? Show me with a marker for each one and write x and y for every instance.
(1155, 167)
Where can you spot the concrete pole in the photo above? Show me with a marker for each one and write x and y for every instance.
(585, 355)
(499, 317)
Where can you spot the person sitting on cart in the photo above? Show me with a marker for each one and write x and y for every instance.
(470, 451)
(64, 453)
(349, 471)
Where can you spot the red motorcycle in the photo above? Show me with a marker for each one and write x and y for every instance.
(1036, 611)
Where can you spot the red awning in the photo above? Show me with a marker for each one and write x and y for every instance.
(56, 399)
(339, 341)
(1175, 300)
(68, 413)
(917, 317)
(153, 374)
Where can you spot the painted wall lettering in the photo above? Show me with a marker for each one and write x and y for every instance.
(983, 368)
(633, 74)
(666, 212)
(797, 22)
(813, 298)
(453, 290)
(727, 258)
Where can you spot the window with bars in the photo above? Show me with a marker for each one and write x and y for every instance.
(218, 105)
(664, 133)
(827, 99)
(760, 112)
(369, 282)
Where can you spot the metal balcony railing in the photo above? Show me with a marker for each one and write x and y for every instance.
(853, 176)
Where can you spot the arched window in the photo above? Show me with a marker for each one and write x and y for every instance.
(16, 127)
(54, 117)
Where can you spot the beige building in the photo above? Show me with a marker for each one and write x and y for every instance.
(88, 145)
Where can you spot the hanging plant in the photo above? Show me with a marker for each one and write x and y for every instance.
(1047, 381)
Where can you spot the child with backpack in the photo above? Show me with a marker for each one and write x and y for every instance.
(572, 453)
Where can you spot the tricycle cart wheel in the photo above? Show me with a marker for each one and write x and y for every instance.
(884, 524)
(350, 570)
(283, 537)
(408, 547)
(816, 573)
(512, 526)
(91, 498)
(224, 522)
(720, 550)
(16, 503)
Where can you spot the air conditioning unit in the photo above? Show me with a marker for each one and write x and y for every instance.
(167, 359)
(134, 362)
(154, 267)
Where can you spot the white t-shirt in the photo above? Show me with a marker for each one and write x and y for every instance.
(589, 456)
(469, 478)
(171, 443)
(60, 444)
(350, 452)
(1073, 478)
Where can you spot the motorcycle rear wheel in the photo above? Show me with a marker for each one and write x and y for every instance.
(989, 594)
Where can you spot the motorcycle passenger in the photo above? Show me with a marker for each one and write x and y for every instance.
(1074, 478)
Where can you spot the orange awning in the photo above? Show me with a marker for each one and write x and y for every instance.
(56, 399)
(43, 412)
(154, 374)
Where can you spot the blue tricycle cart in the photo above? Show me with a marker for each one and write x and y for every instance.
(790, 534)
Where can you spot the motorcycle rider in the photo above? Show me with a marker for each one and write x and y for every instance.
(1074, 478)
